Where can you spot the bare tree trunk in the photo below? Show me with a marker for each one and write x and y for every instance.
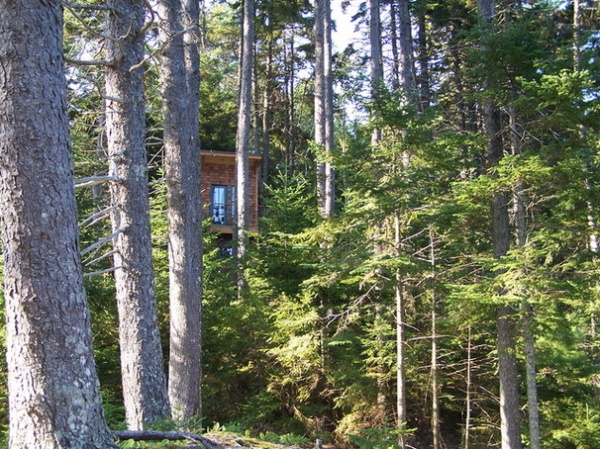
(423, 48)
(509, 380)
(243, 139)
(594, 241)
(394, 41)
(54, 394)
(324, 108)
(435, 391)
(400, 342)
(406, 49)
(520, 220)
(266, 120)
(376, 60)
(179, 83)
(329, 204)
(530, 370)
(468, 407)
(144, 385)
(507, 363)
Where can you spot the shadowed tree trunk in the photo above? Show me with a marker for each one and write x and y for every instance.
(54, 397)
(144, 385)
(507, 364)
(179, 82)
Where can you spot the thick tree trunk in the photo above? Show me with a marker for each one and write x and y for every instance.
(144, 385)
(179, 82)
(54, 397)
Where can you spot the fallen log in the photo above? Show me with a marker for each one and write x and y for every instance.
(155, 435)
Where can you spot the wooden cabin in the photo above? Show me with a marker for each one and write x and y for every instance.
(218, 190)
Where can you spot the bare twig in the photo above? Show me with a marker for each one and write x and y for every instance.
(101, 242)
(96, 217)
(88, 262)
(97, 273)
(93, 180)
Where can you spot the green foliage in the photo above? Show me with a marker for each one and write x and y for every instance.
(379, 438)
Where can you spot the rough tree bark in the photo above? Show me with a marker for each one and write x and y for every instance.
(144, 385)
(53, 387)
(179, 82)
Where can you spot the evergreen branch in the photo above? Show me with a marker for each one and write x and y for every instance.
(84, 23)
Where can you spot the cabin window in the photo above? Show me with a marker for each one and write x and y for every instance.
(222, 208)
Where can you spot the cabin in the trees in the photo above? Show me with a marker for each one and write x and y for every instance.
(218, 190)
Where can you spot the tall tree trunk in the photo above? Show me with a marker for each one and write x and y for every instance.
(179, 83)
(144, 385)
(394, 41)
(520, 220)
(423, 48)
(266, 119)
(594, 241)
(376, 60)
(468, 387)
(400, 341)
(54, 394)
(507, 363)
(329, 206)
(324, 107)
(435, 390)
(406, 49)
(243, 139)
(509, 380)
(530, 371)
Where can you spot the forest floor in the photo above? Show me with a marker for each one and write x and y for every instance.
(150, 439)
(230, 440)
